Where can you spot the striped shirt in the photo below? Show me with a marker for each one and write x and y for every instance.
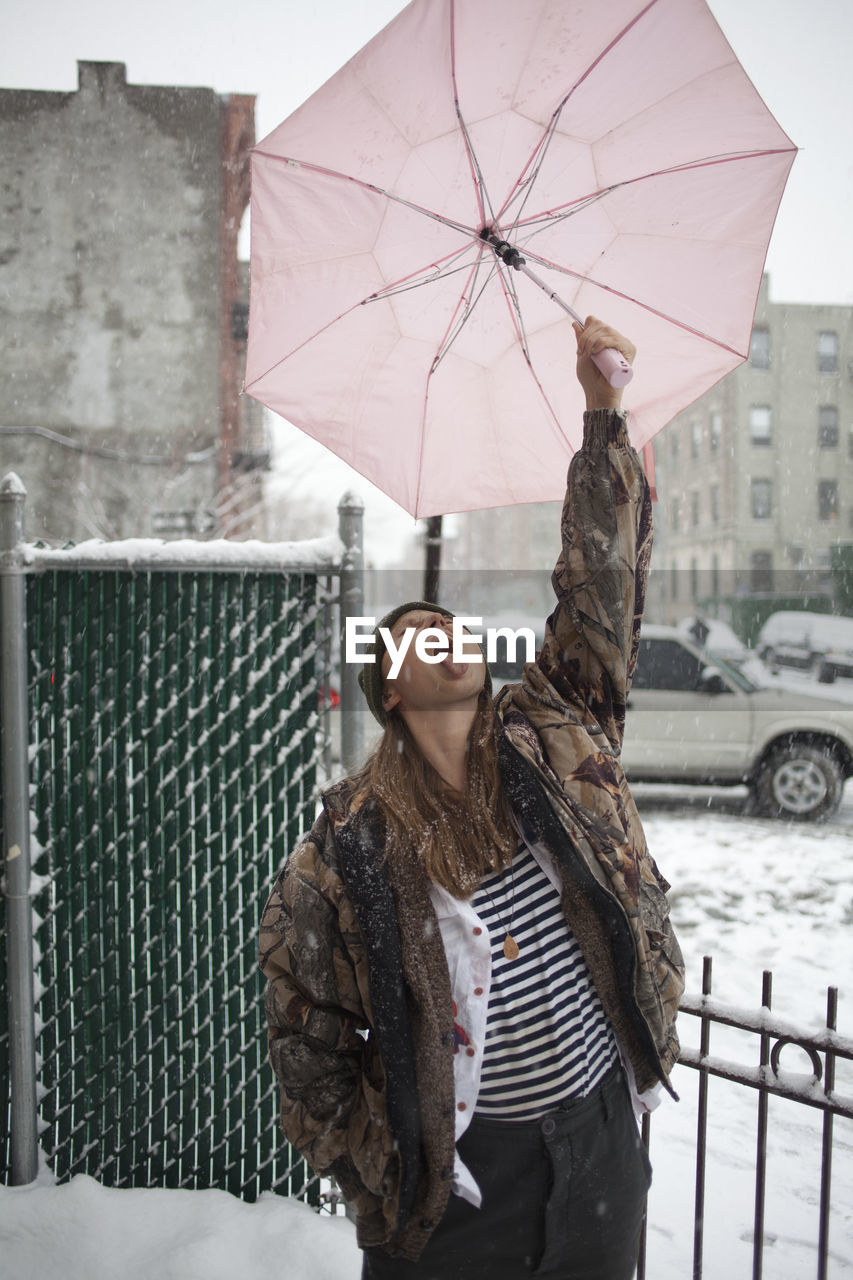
(547, 1035)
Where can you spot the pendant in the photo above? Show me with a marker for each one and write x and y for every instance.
(510, 947)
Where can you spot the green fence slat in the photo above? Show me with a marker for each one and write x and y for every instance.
(200, 819)
(220, 675)
(207, 829)
(188, 853)
(100, 737)
(44, 631)
(119, 640)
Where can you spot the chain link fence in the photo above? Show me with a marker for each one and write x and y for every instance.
(177, 740)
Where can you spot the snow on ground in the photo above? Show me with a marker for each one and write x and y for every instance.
(752, 893)
(83, 1231)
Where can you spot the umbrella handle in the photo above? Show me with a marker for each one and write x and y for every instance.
(613, 365)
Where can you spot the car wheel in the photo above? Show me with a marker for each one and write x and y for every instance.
(826, 673)
(801, 782)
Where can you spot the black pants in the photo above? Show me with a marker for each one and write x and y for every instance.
(563, 1199)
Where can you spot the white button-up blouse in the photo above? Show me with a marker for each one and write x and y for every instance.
(467, 946)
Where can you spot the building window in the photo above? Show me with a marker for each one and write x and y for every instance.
(827, 426)
(674, 517)
(715, 576)
(694, 580)
(827, 351)
(240, 321)
(759, 349)
(673, 444)
(761, 571)
(823, 562)
(715, 503)
(827, 500)
(673, 581)
(695, 438)
(760, 424)
(694, 508)
(716, 430)
(761, 499)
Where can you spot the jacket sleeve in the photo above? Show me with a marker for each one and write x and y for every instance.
(592, 637)
(316, 1019)
(314, 1046)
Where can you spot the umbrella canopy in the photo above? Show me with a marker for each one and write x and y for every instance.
(619, 147)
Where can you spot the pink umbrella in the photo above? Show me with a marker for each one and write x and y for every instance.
(618, 152)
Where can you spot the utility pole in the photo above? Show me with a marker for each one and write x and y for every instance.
(432, 571)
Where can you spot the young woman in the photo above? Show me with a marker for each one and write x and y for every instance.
(469, 956)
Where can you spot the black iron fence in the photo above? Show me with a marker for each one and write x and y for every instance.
(769, 1077)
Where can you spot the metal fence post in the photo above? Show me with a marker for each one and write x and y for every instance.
(351, 532)
(15, 734)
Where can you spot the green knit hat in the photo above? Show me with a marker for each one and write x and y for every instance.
(370, 676)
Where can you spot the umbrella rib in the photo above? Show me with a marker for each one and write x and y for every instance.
(452, 332)
(511, 297)
(512, 302)
(441, 350)
(370, 186)
(524, 185)
(548, 216)
(476, 172)
(418, 279)
(304, 343)
(552, 124)
(400, 287)
(638, 17)
(627, 297)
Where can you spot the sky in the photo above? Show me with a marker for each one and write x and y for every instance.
(797, 53)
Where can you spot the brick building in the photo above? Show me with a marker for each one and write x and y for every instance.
(123, 308)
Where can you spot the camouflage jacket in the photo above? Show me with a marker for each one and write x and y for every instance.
(358, 1000)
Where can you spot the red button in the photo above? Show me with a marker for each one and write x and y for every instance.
(471, 1052)
(478, 991)
(462, 1106)
(477, 931)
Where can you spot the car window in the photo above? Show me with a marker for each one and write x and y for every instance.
(735, 675)
(666, 664)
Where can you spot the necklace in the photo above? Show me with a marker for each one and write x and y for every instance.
(510, 947)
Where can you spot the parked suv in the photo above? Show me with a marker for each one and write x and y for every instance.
(810, 641)
(693, 718)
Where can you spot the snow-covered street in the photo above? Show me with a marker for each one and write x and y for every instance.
(755, 894)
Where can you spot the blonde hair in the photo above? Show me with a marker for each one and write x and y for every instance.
(458, 838)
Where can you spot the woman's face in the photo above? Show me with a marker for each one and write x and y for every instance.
(421, 685)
